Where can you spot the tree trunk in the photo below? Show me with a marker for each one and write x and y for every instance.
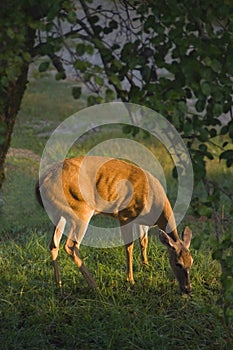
(12, 101)
(17, 41)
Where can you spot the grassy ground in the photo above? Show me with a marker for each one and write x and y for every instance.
(152, 315)
(34, 314)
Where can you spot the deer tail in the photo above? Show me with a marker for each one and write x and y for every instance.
(38, 194)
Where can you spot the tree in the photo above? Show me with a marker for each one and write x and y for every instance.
(17, 40)
(19, 23)
(171, 56)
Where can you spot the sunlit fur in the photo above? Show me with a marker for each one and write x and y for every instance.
(180, 258)
(81, 187)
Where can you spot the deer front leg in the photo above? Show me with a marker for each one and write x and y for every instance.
(127, 235)
(85, 272)
(143, 241)
(129, 262)
(54, 254)
(54, 247)
(72, 249)
(76, 234)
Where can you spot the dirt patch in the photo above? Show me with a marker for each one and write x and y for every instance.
(23, 153)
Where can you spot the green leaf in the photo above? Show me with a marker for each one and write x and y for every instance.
(76, 92)
(200, 105)
(208, 61)
(81, 65)
(229, 162)
(187, 128)
(107, 30)
(43, 67)
(226, 154)
(130, 129)
(204, 210)
(227, 282)
(94, 19)
(224, 130)
(113, 24)
(216, 66)
(26, 56)
(4, 81)
(127, 129)
(114, 80)
(146, 73)
(203, 135)
(99, 80)
(93, 100)
(10, 33)
(231, 131)
(135, 131)
(199, 169)
(202, 147)
(217, 254)
(116, 65)
(89, 49)
(81, 49)
(206, 88)
(213, 132)
(149, 23)
(128, 52)
(72, 17)
(188, 93)
(109, 95)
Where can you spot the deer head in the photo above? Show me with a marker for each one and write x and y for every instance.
(180, 257)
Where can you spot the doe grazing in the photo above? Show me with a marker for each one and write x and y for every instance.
(78, 188)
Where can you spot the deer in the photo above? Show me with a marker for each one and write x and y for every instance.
(78, 188)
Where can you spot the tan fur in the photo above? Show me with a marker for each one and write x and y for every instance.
(86, 186)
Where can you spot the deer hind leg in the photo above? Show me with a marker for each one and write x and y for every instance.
(127, 235)
(72, 249)
(143, 241)
(54, 247)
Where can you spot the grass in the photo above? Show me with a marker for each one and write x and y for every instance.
(151, 315)
(35, 120)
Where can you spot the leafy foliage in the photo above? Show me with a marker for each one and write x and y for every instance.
(19, 21)
(173, 57)
(223, 253)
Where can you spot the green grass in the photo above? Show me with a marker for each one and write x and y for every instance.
(45, 105)
(151, 315)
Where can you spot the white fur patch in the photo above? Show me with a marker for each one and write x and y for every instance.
(59, 231)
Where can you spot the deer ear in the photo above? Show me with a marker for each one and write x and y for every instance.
(186, 237)
(166, 240)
